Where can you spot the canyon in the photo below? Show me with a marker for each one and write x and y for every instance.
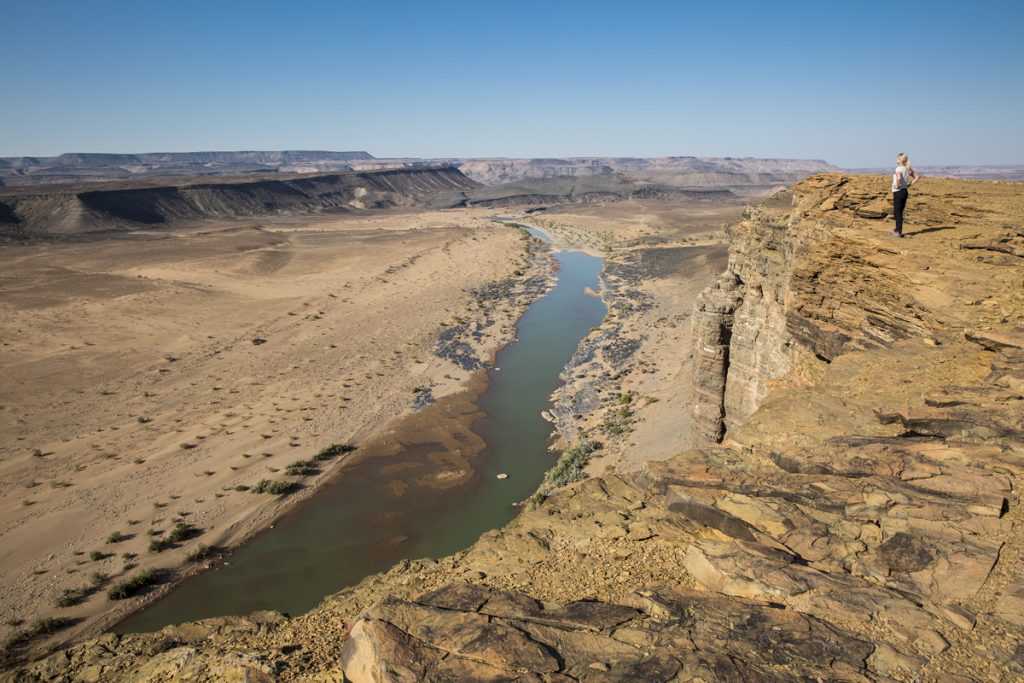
(848, 507)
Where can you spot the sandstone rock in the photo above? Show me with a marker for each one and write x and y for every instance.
(681, 634)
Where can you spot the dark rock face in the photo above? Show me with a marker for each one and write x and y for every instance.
(71, 210)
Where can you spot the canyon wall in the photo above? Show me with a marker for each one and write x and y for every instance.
(797, 294)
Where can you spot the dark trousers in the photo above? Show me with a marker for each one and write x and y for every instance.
(899, 202)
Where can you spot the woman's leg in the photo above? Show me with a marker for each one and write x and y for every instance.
(899, 203)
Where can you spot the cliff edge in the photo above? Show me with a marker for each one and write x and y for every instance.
(859, 521)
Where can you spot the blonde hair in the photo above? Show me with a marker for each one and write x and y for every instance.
(903, 160)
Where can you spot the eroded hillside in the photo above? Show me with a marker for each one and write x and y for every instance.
(51, 211)
(860, 521)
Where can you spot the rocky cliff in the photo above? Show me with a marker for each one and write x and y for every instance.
(860, 522)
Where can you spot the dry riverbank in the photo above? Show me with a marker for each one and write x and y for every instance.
(628, 384)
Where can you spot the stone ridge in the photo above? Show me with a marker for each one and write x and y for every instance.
(863, 523)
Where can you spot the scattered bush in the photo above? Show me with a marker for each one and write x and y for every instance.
(129, 587)
(72, 596)
(333, 450)
(117, 537)
(40, 627)
(97, 555)
(199, 553)
(301, 468)
(569, 467)
(277, 488)
(182, 532)
(158, 545)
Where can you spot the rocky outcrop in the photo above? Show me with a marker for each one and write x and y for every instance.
(797, 289)
(863, 523)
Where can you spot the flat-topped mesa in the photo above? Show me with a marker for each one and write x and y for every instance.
(51, 211)
(862, 523)
(807, 282)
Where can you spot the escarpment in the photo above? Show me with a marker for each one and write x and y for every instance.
(861, 521)
(52, 211)
(802, 287)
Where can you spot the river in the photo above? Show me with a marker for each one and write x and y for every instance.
(352, 527)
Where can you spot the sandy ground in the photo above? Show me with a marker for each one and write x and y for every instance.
(145, 378)
(669, 251)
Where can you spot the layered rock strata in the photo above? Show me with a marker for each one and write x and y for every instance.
(50, 212)
(862, 524)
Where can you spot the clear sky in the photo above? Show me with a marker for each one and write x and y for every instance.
(849, 82)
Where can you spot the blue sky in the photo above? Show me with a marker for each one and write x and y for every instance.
(849, 82)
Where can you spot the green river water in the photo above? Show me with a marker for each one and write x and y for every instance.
(350, 529)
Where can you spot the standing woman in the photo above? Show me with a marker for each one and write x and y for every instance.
(902, 179)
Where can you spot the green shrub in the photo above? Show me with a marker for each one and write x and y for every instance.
(199, 553)
(158, 545)
(301, 468)
(72, 596)
(569, 467)
(40, 627)
(182, 531)
(116, 537)
(333, 450)
(277, 488)
(129, 587)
